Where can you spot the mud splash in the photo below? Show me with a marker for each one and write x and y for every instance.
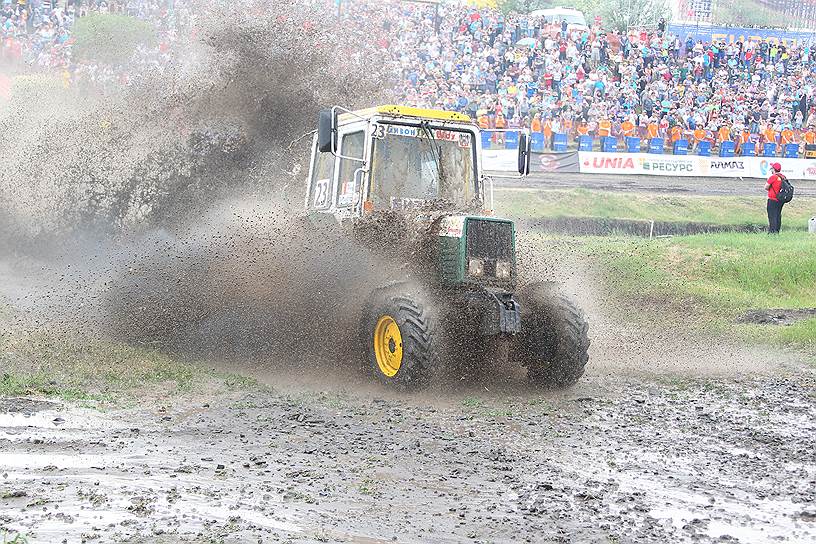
(245, 281)
(165, 212)
(226, 116)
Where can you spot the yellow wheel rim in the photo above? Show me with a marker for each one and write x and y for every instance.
(388, 346)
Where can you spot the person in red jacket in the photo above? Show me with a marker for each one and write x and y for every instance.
(773, 187)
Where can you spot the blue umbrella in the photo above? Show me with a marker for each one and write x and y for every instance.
(527, 42)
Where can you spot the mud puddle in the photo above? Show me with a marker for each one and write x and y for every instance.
(778, 317)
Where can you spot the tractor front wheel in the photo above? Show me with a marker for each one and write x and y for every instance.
(399, 330)
(553, 343)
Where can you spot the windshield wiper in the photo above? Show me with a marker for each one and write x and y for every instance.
(437, 154)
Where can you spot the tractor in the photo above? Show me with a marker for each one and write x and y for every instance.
(408, 184)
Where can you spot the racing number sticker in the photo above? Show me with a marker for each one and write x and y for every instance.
(379, 131)
(321, 195)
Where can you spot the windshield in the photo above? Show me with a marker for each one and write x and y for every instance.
(413, 165)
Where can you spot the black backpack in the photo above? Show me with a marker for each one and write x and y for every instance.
(785, 193)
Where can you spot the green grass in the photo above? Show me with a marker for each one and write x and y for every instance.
(726, 272)
(714, 278)
(721, 210)
(799, 334)
(81, 369)
(472, 402)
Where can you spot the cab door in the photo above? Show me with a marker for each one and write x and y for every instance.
(322, 176)
(352, 169)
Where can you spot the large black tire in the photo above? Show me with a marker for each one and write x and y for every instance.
(553, 343)
(421, 338)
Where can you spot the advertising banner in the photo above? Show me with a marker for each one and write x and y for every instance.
(500, 160)
(505, 160)
(638, 163)
(727, 167)
(595, 162)
(555, 162)
(692, 166)
(729, 34)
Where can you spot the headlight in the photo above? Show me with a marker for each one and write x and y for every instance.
(476, 267)
(504, 270)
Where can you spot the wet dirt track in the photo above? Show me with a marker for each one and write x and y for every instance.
(616, 459)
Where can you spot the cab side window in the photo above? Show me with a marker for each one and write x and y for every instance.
(351, 145)
(322, 177)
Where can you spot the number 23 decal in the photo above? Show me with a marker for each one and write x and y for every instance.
(379, 132)
(321, 193)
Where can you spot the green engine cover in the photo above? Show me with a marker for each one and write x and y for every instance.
(452, 260)
(494, 239)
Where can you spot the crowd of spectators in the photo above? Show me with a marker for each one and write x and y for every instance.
(514, 71)
(38, 33)
(518, 71)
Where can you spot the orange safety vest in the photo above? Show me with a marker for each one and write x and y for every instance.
(810, 137)
(604, 128)
(567, 125)
(745, 136)
(787, 137)
(676, 133)
(628, 128)
(500, 121)
(484, 121)
(651, 130)
(700, 134)
(583, 129)
(770, 135)
(535, 126)
(723, 134)
(547, 128)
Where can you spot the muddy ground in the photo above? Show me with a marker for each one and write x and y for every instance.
(617, 459)
(668, 438)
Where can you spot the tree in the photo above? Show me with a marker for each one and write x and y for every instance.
(523, 6)
(622, 14)
(110, 38)
(751, 13)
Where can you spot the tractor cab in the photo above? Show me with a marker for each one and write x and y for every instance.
(398, 158)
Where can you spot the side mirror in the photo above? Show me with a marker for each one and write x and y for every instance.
(524, 154)
(327, 131)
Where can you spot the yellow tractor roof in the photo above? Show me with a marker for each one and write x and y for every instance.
(407, 111)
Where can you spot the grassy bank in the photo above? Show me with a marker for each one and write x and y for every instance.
(721, 210)
(715, 278)
(57, 365)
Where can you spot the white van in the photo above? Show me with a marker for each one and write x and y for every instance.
(575, 19)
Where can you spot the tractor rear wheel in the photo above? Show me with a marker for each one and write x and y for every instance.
(553, 343)
(399, 330)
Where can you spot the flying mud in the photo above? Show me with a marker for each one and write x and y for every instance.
(163, 215)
